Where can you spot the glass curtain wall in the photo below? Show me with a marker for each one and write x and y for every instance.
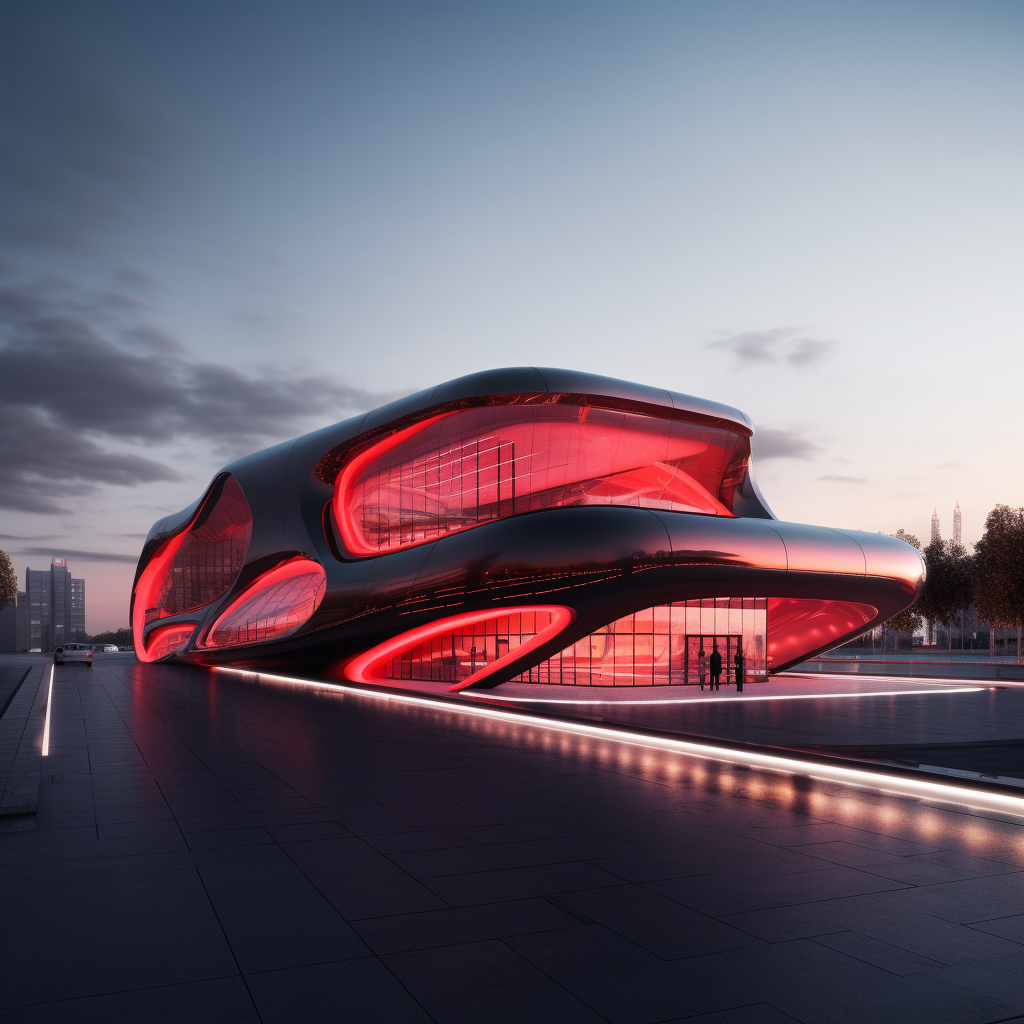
(661, 646)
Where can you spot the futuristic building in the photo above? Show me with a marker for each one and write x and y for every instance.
(537, 525)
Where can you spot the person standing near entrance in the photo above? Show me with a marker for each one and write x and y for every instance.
(702, 666)
(716, 668)
(738, 662)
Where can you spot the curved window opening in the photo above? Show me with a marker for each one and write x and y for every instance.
(276, 605)
(198, 565)
(165, 640)
(461, 469)
(462, 649)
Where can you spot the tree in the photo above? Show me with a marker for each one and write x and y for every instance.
(121, 638)
(8, 581)
(999, 570)
(948, 585)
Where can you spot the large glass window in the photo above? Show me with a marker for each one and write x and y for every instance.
(461, 469)
(661, 646)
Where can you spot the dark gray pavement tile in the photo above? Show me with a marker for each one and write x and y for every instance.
(133, 829)
(655, 922)
(718, 895)
(518, 883)
(432, 863)
(999, 979)
(223, 1001)
(733, 855)
(106, 935)
(877, 953)
(405, 932)
(409, 842)
(756, 1013)
(311, 830)
(551, 851)
(273, 916)
(227, 837)
(944, 866)
(780, 924)
(482, 835)
(1011, 928)
(259, 819)
(94, 849)
(917, 932)
(356, 992)
(624, 983)
(359, 881)
(485, 981)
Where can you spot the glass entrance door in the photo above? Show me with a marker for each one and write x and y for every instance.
(727, 646)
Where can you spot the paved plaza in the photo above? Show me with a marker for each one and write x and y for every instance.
(213, 848)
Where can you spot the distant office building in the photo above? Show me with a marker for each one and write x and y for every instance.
(78, 610)
(958, 532)
(54, 611)
(936, 535)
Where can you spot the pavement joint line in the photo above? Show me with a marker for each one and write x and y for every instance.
(902, 782)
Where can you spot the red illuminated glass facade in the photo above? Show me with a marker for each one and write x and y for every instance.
(462, 469)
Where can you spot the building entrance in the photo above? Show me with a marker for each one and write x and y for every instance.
(727, 646)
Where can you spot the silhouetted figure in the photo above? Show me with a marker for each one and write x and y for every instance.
(702, 666)
(716, 668)
(738, 662)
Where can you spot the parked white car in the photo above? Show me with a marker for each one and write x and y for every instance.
(73, 652)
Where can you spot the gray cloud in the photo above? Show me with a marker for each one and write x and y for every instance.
(835, 478)
(81, 556)
(780, 346)
(76, 148)
(773, 443)
(78, 374)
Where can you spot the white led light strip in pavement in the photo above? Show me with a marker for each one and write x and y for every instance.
(878, 780)
(728, 699)
(46, 724)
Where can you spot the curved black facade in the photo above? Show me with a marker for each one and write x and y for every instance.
(491, 523)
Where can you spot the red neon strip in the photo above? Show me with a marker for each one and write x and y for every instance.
(365, 667)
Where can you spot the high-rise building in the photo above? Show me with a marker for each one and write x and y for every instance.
(935, 526)
(78, 610)
(957, 525)
(55, 607)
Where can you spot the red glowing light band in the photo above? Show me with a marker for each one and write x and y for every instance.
(366, 668)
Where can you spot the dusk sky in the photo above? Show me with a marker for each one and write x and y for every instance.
(225, 224)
